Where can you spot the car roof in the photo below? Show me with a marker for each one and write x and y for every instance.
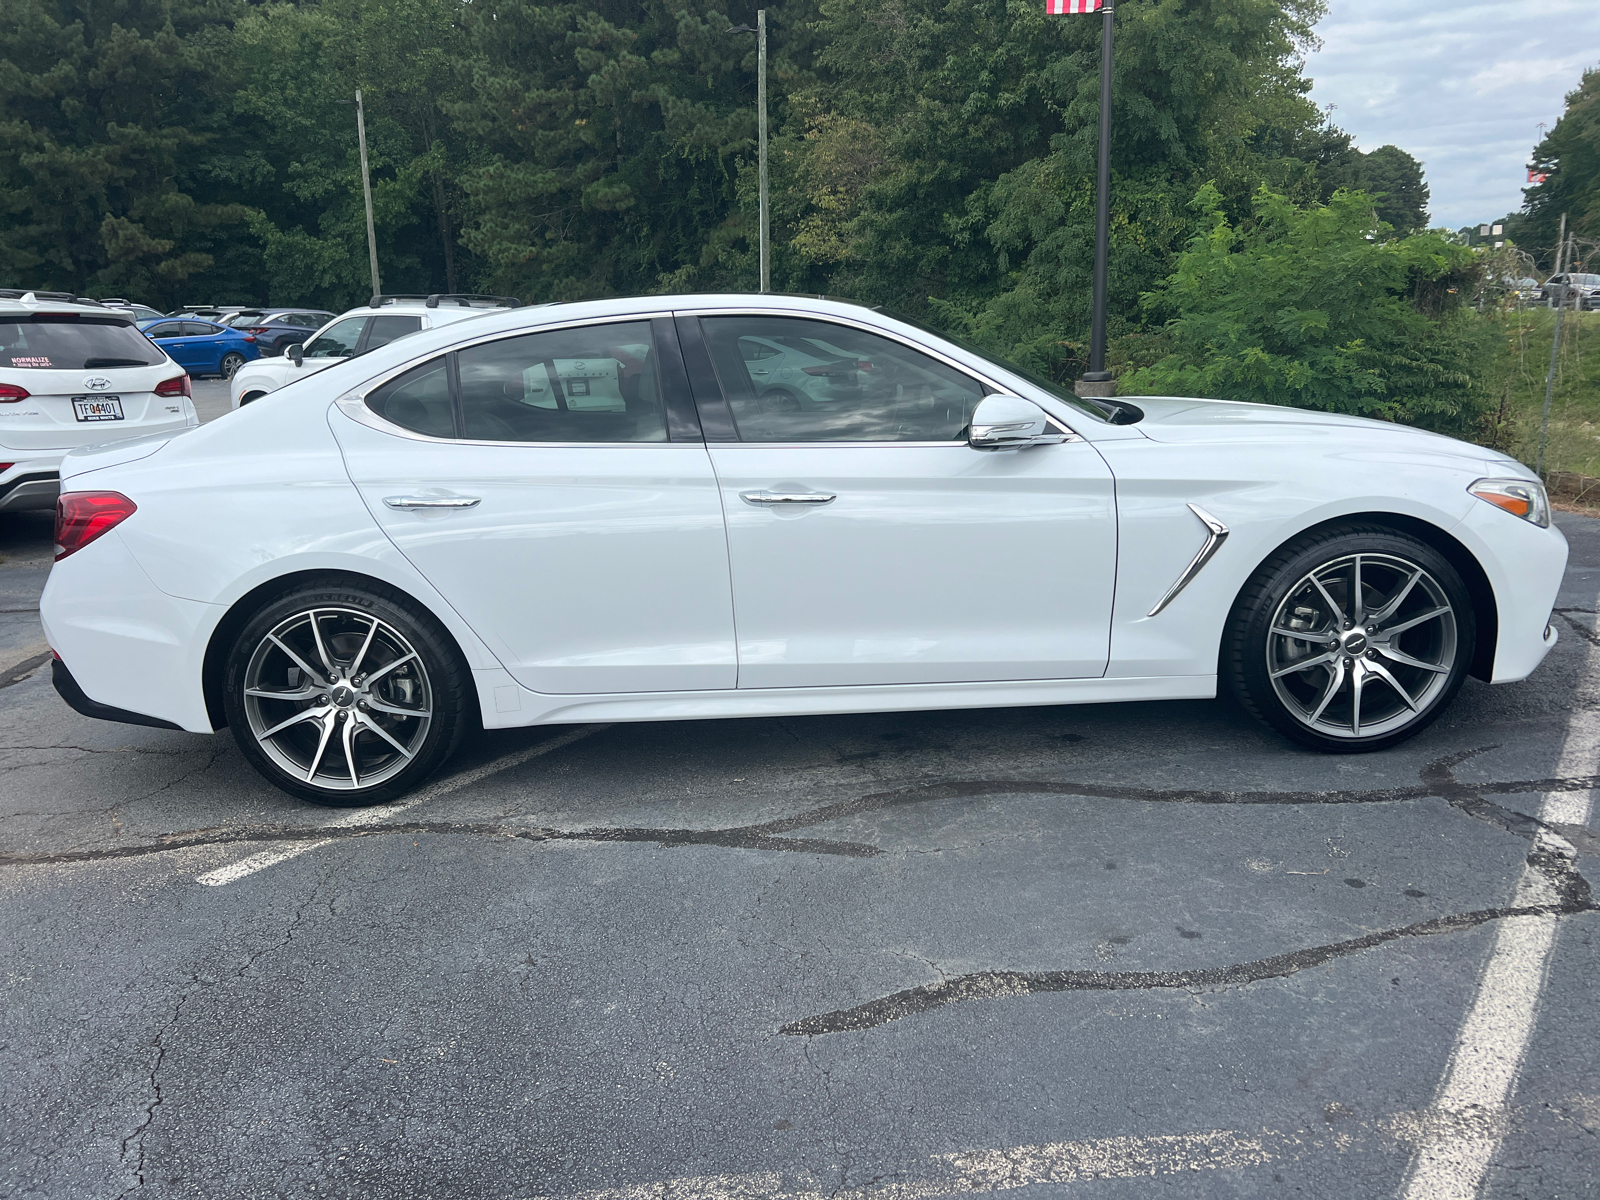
(16, 302)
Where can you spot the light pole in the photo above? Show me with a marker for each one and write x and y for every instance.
(366, 189)
(1098, 380)
(761, 101)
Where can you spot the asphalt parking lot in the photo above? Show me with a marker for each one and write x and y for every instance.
(1116, 951)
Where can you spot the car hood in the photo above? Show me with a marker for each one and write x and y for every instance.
(1182, 419)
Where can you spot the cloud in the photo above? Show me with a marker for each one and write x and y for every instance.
(1463, 86)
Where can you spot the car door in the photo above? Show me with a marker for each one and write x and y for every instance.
(169, 335)
(582, 541)
(207, 343)
(869, 544)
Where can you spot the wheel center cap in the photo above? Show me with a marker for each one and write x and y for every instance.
(343, 697)
(1355, 642)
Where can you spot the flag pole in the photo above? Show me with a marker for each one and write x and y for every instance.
(1097, 381)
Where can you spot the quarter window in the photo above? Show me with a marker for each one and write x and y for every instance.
(788, 379)
(597, 383)
(418, 400)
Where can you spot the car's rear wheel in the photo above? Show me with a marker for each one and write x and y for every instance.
(231, 362)
(346, 696)
(1351, 639)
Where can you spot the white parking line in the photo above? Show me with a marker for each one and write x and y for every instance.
(983, 1172)
(1493, 1041)
(234, 872)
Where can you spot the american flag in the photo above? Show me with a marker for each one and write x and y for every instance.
(1059, 8)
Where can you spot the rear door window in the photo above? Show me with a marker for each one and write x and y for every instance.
(596, 383)
(200, 329)
(73, 345)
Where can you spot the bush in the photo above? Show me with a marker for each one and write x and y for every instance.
(1317, 307)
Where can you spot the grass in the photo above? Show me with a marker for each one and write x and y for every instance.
(1517, 387)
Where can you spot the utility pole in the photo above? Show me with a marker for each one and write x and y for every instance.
(1097, 381)
(366, 191)
(761, 94)
(1555, 350)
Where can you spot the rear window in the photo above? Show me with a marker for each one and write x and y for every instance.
(56, 344)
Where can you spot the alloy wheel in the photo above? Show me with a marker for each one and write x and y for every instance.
(1362, 645)
(338, 698)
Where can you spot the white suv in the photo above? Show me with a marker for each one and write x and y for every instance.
(380, 321)
(75, 373)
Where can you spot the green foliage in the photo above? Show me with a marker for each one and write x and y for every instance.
(1570, 156)
(1315, 306)
(111, 117)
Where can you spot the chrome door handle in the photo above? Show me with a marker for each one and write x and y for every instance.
(432, 501)
(787, 497)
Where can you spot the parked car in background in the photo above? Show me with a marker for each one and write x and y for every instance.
(202, 347)
(1575, 289)
(277, 328)
(74, 373)
(376, 323)
(141, 312)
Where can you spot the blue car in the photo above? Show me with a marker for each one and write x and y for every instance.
(202, 347)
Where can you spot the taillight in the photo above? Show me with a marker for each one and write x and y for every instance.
(83, 516)
(177, 386)
(259, 329)
(249, 337)
(10, 393)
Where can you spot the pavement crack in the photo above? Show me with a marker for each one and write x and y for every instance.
(990, 985)
(1552, 856)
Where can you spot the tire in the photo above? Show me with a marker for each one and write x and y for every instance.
(1350, 685)
(779, 400)
(359, 658)
(230, 364)
(250, 398)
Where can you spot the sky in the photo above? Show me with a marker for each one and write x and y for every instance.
(1460, 84)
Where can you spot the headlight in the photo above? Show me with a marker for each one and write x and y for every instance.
(1519, 497)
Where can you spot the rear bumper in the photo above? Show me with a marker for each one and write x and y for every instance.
(74, 695)
(32, 491)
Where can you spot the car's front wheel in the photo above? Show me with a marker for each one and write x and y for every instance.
(1353, 638)
(346, 696)
(231, 362)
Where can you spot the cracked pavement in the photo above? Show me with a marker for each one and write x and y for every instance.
(1119, 950)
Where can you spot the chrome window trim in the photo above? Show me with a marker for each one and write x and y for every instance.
(354, 403)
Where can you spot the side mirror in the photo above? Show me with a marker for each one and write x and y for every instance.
(295, 352)
(1010, 423)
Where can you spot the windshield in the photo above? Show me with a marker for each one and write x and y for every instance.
(1064, 395)
(66, 342)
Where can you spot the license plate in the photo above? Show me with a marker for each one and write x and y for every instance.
(97, 408)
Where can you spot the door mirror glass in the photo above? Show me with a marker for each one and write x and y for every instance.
(295, 352)
(1010, 423)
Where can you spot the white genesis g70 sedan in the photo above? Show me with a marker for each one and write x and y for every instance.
(617, 511)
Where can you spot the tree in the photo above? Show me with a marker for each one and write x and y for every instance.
(1569, 157)
(1308, 306)
(1394, 181)
(114, 148)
